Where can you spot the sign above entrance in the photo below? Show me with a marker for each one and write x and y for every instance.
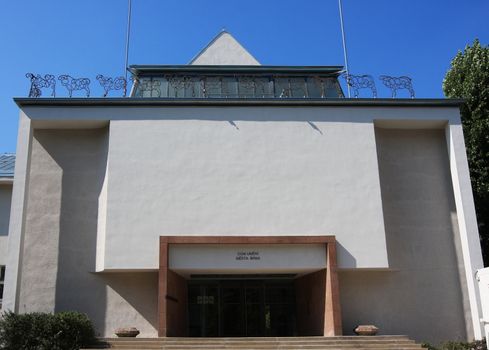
(187, 259)
(248, 255)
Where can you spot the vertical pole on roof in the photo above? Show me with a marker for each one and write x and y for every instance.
(345, 54)
(127, 35)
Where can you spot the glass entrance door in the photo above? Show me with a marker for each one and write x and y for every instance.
(241, 308)
(255, 310)
(203, 307)
(232, 315)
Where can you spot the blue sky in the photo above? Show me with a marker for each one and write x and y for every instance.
(86, 37)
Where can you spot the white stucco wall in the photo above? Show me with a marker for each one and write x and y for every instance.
(483, 279)
(3, 250)
(5, 202)
(66, 178)
(257, 178)
(466, 216)
(215, 171)
(235, 171)
(425, 296)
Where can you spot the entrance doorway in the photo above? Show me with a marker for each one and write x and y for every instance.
(195, 270)
(241, 308)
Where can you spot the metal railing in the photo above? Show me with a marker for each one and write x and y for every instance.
(173, 83)
(236, 86)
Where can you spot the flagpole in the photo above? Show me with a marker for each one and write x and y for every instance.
(345, 54)
(127, 36)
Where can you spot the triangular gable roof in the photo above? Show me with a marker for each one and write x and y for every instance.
(224, 49)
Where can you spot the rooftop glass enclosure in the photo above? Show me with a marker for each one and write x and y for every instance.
(236, 82)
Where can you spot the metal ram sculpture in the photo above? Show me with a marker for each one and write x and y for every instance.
(109, 84)
(398, 83)
(38, 82)
(75, 84)
(357, 82)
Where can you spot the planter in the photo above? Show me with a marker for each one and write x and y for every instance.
(366, 330)
(126, 332)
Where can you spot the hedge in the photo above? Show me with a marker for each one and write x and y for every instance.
(45, 331)
(454, 345)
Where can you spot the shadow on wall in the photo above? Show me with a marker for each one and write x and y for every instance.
(345, 259)
(82, 156)
(315, 127)
(139, 290)
(422, 297)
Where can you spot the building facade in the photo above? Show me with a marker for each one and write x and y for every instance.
(226, 198)
(7, 165)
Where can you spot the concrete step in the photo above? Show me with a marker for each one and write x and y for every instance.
(267, 346)
(234, 346)
(269, 343)
(298, 338)
(372, 340)
(280, 348)
(264, 346)
(296, 346)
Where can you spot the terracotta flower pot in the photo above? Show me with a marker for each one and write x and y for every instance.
(126, 332)
(368, 329)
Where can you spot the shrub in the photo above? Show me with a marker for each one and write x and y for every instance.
(454, 345)
(45, 331)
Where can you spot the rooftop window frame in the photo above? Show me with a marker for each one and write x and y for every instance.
(163, 81)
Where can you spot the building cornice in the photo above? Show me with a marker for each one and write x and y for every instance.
(139, 70)
(289, 102)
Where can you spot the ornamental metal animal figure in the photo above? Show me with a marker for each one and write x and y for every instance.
(398, 83)
(73, 84)
(358, 82)
(37, 82)
(108, 84)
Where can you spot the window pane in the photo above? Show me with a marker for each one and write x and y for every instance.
(229, 87)
(181, 86)
(231, 295)
(148, 87)
(315, 87)
(194, 295)
(298, 87)
(282, 88)
(263, 88)
(253, 295)
(212, 87)
(246, 87)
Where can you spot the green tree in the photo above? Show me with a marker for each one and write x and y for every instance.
(468, 78)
